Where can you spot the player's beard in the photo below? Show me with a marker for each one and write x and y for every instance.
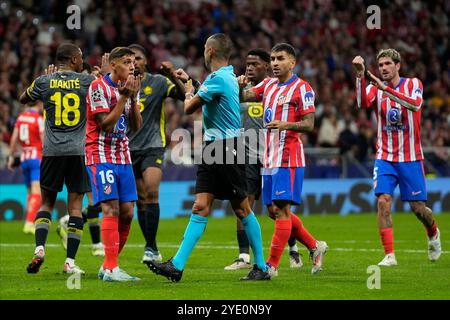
(388, 76)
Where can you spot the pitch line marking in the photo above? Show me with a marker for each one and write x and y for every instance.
(201, 246)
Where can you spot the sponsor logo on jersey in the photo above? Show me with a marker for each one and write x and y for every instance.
(394, 116)
(268, 115)
(309, 97)
(148, 90)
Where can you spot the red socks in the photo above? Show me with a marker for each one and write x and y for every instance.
(431, 231)
(33, 205)
(387, 239)
(280, 238)
(301, 234)
(111, 240)
(124, 230)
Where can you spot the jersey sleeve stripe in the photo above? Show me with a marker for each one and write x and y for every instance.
(169, 89)
(29, 95)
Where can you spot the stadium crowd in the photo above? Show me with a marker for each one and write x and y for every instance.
(327, 35)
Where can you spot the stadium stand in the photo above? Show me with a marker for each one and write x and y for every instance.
(325, 34)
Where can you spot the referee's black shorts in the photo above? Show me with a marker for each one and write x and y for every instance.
(69, 170)
(226, 180)
(254, 179)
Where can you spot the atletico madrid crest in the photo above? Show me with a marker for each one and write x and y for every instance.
(281, 99)
(107, 189)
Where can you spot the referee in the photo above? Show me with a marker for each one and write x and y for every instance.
(219, 99)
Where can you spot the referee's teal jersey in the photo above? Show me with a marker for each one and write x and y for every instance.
(221, 110)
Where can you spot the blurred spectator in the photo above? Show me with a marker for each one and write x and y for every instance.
(327, 35)
(328, 132)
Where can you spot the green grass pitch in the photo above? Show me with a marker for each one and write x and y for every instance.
(353, 242)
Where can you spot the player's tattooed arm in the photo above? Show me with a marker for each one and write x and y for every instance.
(409, 102)
(305, 125)
(100, 119)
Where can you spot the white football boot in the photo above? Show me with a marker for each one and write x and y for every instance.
(317, 256)
(434, 247)
(388, 261)
(118, 275)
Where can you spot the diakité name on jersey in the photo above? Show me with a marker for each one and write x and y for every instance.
(398, 114)
(288, 101)
(101, 146)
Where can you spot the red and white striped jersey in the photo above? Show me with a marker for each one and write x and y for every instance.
(288, 101)
(30, 126)
(102, 146)
(398, 114)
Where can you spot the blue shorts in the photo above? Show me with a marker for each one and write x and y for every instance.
(112, 182)
(31, 170)
(409, 176)
(282, 184)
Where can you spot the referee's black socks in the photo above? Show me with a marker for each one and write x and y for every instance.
(42, 223)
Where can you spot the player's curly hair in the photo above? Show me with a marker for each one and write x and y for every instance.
(66, 51)
(389, 53)
(261, 53)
